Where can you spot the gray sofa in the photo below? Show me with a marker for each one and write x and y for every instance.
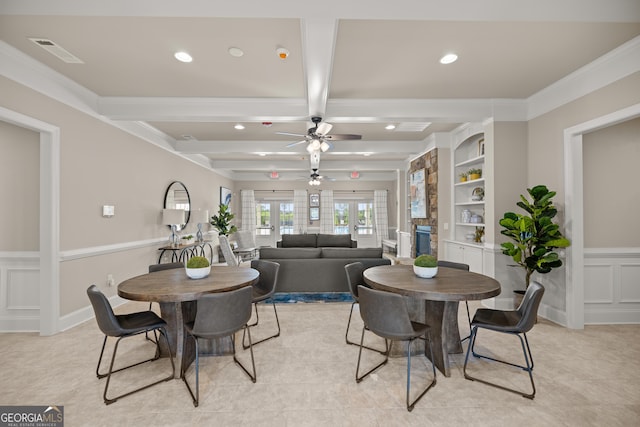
(309, 269)
(316, 240)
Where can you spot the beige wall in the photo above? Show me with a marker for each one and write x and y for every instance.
(509, 173)
(611, 158)
(100, 165)
(19, 188)
(545, 156)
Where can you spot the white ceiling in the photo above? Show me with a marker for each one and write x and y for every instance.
(357, 64)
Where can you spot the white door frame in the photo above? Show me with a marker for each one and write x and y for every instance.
(574, 203)
(49, 216)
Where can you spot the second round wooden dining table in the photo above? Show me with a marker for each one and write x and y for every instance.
(442, 294)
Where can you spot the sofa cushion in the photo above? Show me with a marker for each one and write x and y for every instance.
(289, 253)
(350, 253)
(334, 240)
(298, 240)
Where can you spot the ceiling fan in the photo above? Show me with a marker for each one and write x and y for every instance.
(317, 137)
(315, 178)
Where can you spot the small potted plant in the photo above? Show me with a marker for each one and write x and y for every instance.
(222, 221)
(188, 239)
(463, 177)
(198, 267)
(474, 174)
(425, 266)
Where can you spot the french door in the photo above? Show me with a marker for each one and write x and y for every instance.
(355, 217)
(274, 218)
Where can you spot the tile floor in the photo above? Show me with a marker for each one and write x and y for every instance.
(585, 377)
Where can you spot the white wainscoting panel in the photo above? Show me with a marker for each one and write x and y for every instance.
(612, 286)
(19, 291)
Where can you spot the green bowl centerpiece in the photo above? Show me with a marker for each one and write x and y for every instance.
(198, 267)
(425, 266)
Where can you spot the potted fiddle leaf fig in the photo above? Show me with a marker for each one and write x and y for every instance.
(534, 235)
(222, 221)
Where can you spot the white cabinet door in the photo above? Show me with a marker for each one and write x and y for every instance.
(466, 254)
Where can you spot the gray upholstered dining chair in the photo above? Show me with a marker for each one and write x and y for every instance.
(355, 278)
(386, 315)
(123, 326)
(263, 291)
(515, 322)
(227, 252)
(220, 315)
(465, 267)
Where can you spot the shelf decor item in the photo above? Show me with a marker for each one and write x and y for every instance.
(425, 266)
(474, 174)
(477, 194)
(463, 177)
(534, 234)
(198, 267)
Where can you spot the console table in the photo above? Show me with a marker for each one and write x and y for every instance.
(182, 253)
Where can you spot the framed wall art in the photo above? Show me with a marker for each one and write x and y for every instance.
(314, 214)
(418, 194)
(225, 196)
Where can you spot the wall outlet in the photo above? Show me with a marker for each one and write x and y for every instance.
(446, 226)
(110, 280)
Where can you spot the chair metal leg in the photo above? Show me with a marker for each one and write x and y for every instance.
(235, 359)
(146, 334)
(431, 384)
(108, 400)
(195, 397)
(346, 335)
(384, 362)
(469, 319)
(526, 350)
(277, 334)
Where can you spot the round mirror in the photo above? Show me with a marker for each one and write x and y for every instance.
(177, 197)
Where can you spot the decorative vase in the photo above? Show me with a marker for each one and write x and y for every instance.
(198, 273)
(425, 272)
(474, 176)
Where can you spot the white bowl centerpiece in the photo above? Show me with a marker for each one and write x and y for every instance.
(198, 267)
(425, 266)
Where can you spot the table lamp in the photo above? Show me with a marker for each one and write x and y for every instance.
(172, 218)
(201, 216)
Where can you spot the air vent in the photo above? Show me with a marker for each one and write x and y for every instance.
(57, 50)
(412, 127)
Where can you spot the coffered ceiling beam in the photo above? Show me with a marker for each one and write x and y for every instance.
(284, 165)
(360, 146)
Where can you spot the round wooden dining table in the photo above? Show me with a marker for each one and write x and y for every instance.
(442, 294)
(177, 294)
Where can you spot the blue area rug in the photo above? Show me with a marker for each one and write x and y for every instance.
(295, 297)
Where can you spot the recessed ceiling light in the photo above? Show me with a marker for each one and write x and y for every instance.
(236, 51)
(183, 57)
(390, 127)
(239, 126)
(449, 58)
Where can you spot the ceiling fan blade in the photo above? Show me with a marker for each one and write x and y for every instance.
(342, 137)
(323, 128)
(296, 143)
(290, 134)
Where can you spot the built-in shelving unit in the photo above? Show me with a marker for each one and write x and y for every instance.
(468, 208)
